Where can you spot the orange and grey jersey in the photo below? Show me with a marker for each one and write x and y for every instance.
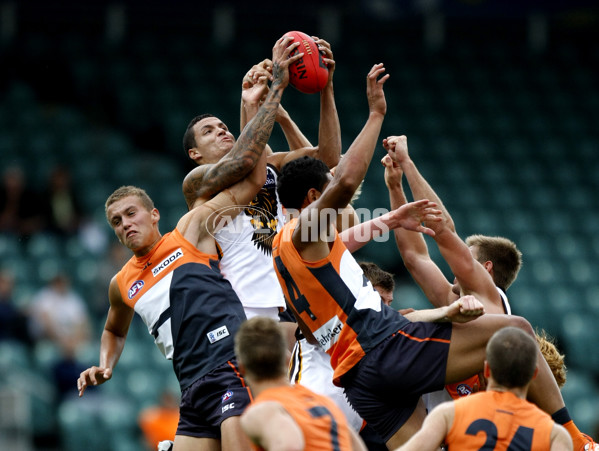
(246, 247)
(499, 421)
(187, 305)
(323, 425)
(335, 300)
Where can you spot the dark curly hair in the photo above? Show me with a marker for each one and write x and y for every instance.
(296, 179)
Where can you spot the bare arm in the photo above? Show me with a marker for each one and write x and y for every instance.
(435, 427)
(463, 310)
(473, 278)
(560, 439)
(252, 96)
(200, 223)
(207, 180)
(412, 246)
(357, 444)
(112, 342)
(329, 132)
(352, 168)
(408, 216)
(269, 426)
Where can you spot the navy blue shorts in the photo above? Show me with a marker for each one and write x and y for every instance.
(210, 400)
(384, 387)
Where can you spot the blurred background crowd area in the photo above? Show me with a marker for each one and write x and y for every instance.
(499, 100)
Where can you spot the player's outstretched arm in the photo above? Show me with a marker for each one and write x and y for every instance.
(112, 342)
(473, 278)
(463, 310)
(206, 181)
(408, 216)
(351, 170)
(252, 92)
(412, 246)
(329, 132)
(251, 100)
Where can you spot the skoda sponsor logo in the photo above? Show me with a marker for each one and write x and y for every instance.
(167, 262)
(135, 288)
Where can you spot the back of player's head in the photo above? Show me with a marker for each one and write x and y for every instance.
(261, 348)
(298, 177)
(377, 276)
(512, 357)
(126, 191)
(189, 140)
(504, 254)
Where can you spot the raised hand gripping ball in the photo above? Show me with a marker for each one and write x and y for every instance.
(310, 73)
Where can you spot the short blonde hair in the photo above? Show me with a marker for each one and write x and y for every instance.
(126, 191)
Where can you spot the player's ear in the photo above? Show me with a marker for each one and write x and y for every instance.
(313, 194)
(155, 214)
(486, 370)
(194, 153)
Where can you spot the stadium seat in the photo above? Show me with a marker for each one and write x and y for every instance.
(580, 337)
(581, 395)
(145, 386)
(80, 426)
(528, 300)
(14, 354)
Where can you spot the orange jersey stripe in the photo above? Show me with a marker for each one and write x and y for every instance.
(420, 340)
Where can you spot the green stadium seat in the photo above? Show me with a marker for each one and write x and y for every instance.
(581, 395)
(528, 301)
(14, 354)
(580, 338)
(145, 385)
(80, 426)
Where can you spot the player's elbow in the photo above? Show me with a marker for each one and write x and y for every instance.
(257, 180)
(246, 164)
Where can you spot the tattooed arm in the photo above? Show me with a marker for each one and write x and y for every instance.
(206, 181)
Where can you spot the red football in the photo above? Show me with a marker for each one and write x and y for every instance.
(310, 73)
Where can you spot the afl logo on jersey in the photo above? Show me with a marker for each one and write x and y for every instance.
(227, 396)
(135, 288)
(464, 390)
